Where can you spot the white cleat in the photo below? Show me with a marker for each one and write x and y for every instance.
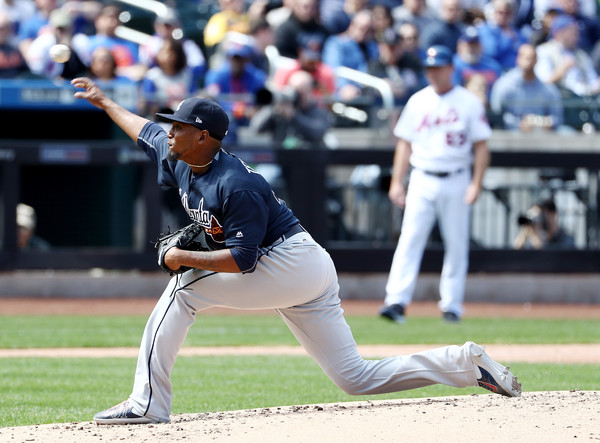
(494, 376)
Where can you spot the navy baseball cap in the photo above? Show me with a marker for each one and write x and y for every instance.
(471, 35)
(203, 113)
(437, 56)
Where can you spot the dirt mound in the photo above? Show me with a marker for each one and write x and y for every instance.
(541, 416)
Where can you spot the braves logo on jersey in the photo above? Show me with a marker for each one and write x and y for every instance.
(215, 230)
(204, 218)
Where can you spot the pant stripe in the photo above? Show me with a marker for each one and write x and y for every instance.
(175, 289)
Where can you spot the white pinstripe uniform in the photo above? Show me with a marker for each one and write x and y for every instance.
(441, 130)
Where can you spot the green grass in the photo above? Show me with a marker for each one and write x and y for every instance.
(89, 331)
(46, 390)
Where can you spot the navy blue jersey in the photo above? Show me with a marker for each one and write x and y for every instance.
(235, 204)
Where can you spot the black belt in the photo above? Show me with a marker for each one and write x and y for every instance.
(296, 229)
(441, 174)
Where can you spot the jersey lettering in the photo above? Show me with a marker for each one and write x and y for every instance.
(430, 121)
(248, 168)
(209, 222)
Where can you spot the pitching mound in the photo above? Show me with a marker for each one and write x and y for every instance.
(537, 416)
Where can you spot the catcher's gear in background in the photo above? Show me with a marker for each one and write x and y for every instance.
(190, 237)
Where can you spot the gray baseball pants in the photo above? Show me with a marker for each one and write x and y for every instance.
(297, 278)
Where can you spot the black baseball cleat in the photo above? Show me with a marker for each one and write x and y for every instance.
(494, 376)
(450, 317)
(122, 414)
(394, 313)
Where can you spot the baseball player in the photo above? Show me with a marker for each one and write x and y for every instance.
(442, 134)
(261, 258)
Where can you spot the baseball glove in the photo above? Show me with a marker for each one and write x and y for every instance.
(190, 237)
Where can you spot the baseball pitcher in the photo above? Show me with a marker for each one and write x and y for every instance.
(254, 254)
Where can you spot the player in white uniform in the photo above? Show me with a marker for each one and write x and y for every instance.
(442, 134)
(262, 259)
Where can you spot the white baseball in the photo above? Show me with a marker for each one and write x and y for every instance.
(60, 53)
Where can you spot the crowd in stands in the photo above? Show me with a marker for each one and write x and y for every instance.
(526, 59)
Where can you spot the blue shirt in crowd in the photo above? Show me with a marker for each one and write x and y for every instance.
(513, 97)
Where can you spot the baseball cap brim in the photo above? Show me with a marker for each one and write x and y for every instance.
(171, 118)
(436, 63)
(437, 56)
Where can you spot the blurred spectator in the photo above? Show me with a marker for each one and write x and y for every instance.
(262, 37)
(354, 49)
(500, 39)
(409, 33)
(415, 12)
(277, 15)
(12, 63)
(169, 82)
(166, 27)
(236, 76)
(522, 100)
(38, 54)
(477, 84)
(26, 226)
(340, 21)
(301, 27)
(309, 60)
(563, 63)
(124, 51)
(35, 25)
(403, 71)
(292, 115)
(32, 27)
(540, 228)
(382, 19)
(83, 13)
(469, 60)
(474, 11)
(235, 85)
(103, 67)
(589, 29)
(541, 32)
(523, 12)
(329, 11)
(446, 30)
(18, 11)
(231, 17)
(587, 8)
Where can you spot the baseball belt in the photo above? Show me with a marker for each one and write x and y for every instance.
(443, 174)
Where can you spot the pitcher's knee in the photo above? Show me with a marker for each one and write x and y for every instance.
(357, 378)
(351, 386)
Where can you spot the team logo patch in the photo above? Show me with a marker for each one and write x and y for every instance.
(215, 230)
